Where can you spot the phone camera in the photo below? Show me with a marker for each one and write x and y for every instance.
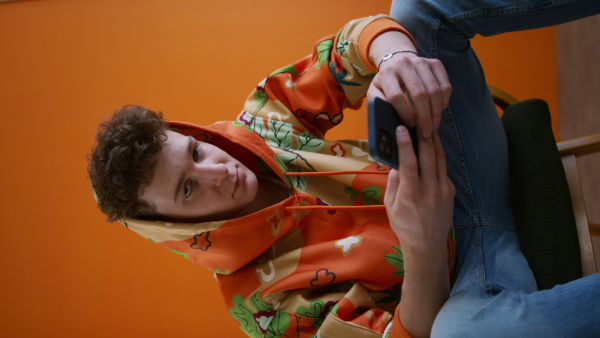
(384, 143)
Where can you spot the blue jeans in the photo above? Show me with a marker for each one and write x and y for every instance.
(494, 293)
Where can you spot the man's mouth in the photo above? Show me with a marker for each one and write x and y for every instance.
(238, 180)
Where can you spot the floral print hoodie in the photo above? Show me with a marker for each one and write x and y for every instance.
(323, 262)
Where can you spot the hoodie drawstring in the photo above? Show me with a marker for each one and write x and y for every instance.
(331, 173)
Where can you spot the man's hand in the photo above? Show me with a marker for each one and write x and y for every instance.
(419, 200)
(417, 87)
(419, 195)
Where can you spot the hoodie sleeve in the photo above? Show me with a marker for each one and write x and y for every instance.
(397, 330)
(311, 94)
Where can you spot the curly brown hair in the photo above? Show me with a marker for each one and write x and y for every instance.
(122, 161)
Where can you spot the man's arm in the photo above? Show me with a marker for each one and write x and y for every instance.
(313, 92)
(419, 196)
(419, 200)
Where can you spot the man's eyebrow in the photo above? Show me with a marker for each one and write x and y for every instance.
(190, 148)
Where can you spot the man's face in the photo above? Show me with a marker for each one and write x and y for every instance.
(196, 181)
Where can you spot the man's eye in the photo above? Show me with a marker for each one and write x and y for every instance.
(195, 154)
(187, 189)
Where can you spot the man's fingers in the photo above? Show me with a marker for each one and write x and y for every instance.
(435, 96)
(427, 161)
(422, 90)
(418, 88)
(445, 87)
(433, 91)
(393, 92)
(440, 157)
(408, 167)
(439, 71)
(414, 94)
(391, 189)
(374, 91)
(427, 89)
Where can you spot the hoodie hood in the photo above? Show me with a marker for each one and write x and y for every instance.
(194, 241)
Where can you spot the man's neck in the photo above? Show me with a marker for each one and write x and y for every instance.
(269, 192)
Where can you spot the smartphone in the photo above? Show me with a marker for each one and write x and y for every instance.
(382, 123)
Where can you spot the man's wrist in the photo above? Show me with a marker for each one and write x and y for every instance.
(388, 43)
(427, 251)
(391, 55)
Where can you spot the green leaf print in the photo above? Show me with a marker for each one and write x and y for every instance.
(334, 309)
(279, 324)
(300, 182)
(323, 50)
(353, 193)
(279, 134)
(276, 322)
(342, 47)
(357, 68)
(242, 313)
(371, 195)
(258, 303)
(180, 253)
(287, 69)
(397, 260)
(284, 169)
(317, 307)
(340, 76)
(261, 97)
(309, 142)
(240, 124)
(281, 164)
(287, 158)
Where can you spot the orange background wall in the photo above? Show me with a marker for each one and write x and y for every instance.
(65, 64)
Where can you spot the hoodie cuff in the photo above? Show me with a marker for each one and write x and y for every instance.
(398, 330)
(373, 30)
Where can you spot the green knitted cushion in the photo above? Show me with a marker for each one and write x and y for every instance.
(542, 204)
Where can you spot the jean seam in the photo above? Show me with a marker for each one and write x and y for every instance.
(464, 174)
(483, 223)
(509, 11)
(480, 266)
(435, 27)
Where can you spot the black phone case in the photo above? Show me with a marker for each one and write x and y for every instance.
(382, 123)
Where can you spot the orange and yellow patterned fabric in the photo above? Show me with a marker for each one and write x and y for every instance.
(323, 262)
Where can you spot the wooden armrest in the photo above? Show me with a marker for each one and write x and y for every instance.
(501, 98)
(580, 146)
(594, 229)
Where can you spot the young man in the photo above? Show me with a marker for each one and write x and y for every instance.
(303, 249)
(293, 225)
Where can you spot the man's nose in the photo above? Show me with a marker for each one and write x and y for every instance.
(214, 173)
